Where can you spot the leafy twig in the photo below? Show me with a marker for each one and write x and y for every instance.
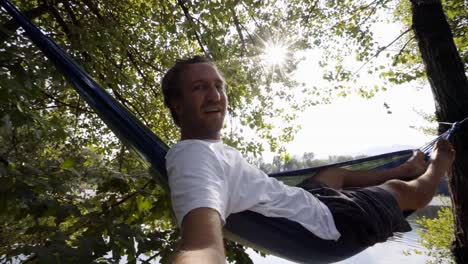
(189, 17)
(404, 47)
(67, 104)
(382, 49)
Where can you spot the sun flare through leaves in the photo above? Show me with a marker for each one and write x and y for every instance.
(274, 54)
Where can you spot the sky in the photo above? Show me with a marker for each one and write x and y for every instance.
(354, 125)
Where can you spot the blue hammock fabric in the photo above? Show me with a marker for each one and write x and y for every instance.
(277, 236)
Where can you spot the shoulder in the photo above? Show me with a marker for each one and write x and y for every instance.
(193, 154)
(189, 148)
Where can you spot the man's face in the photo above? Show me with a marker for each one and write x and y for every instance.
(202, 106)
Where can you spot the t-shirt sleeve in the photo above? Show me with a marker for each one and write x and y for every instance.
(196, 180)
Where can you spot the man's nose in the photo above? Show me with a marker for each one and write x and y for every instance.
(214, 94)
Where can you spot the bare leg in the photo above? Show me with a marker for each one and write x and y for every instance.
(338, 178)
(418, 193)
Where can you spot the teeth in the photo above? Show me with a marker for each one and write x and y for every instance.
(212, 109)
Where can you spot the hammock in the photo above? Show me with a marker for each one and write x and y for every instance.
(277, 236)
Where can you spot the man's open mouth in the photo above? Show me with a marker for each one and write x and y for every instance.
(212, 110)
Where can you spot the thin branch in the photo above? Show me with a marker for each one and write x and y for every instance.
(372, 12)
(45, 107)
(368, 5)
(124, 101)
(189, 17)
(70, 12)
(31, 258)
(355, 12)
(121, 157)
(128, 103)
(4, 161)
(382, 49)
(10, 27)
(150, 259)
(55, 13)
(238, 29)
(131, 57)
(135, 64)
(404, 47)
(312, 8)
(248, 33)
(67, 104)
(78, 226)
(154, 67)
(253, 18)
(92, 8)
(129, 196)
(14, 142)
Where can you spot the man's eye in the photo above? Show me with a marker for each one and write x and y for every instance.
(197, 87)
(220, 87)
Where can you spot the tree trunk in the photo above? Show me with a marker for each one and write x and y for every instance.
(449, 84)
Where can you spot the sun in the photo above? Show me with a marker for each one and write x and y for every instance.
(274, 54)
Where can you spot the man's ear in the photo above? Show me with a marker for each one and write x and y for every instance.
(177, 106)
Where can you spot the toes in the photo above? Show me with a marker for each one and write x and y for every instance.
(443, 144)
(418, 156)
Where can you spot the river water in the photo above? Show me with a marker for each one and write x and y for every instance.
(392, 251)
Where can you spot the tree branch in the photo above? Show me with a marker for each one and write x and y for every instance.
(4, 161)
(92, 8)
(154, 67)
(238, 29)
(382, 49)
(128, 103)
(403, 48)
(70, 12)
(10, 27)
(55, 13)
(77, 226)
(357, 11)
(189, 18)
(67, 104)
(131, 57)
(312, 8)
(148, 261)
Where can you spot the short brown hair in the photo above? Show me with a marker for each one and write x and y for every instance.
(172, 82)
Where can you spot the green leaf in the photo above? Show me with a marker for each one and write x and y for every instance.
(143, 204)
(67, 164)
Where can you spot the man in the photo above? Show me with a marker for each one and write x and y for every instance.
(209, 180)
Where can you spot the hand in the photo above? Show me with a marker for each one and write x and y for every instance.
(443, 153)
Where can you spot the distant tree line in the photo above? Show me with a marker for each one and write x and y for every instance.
(307, 160)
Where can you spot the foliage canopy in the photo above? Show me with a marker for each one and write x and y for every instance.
(70, 192)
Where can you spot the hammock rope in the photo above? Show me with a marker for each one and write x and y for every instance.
(280, 237)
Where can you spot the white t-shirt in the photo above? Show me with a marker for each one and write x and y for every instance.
(210, 174)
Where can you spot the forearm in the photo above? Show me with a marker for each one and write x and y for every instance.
(202, 239)
(200, 256)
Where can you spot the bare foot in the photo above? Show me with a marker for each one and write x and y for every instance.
(443, 154)
(414, 167)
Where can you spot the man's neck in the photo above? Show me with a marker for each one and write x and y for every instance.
(204, 136)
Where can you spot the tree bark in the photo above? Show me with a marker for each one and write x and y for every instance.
(449, 85)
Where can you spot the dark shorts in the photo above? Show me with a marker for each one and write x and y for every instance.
(363, 216)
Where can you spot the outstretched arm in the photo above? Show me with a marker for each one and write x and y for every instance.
(202, 239)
